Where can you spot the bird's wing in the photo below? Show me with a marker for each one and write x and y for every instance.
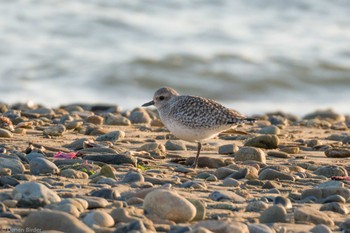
(199, 112)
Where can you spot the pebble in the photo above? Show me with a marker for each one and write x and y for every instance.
(337, 153)
(139, 116)
(157, 123)
(175, 145)
(40, 166)
(107, 171)
(256, 206)
(55, 130)
(117, 120)
(209, 162)
(291, 150)
(259, 228)
(75, 174)
(250, 173)
(212, 178)
(334, 198)
(272, 129)
(224, 195)
(32, 194)
(320, 228)
(78, 203)
(55, 220)
(278, 120)
(3, 208)
(106, 193)
(104, 180)
(33, 155)
(331, 184)
(5, 171)
(132, 177)
(325, 115)
(263, 141)
(283, 201)
(122, 215)
(223, 172)
(275, 213)
(271, 174)
(194, 184)
(223, 226)
(230, 182)
(94, 119)
(250, 153)
(278, 154)
(111, 136)
(203, 175)
(4, 133)
(14, 164)
(335, 207)
(324, 193)
(71, 125)
(200, 209)
(68, 208)
(134, 226)
(95, 202)
(331, 170)
(8, 180)
(169, 205)
(108, 158)
(309, 214)
(271, 185)
(98, 218)
(157, 150)
(228, 149)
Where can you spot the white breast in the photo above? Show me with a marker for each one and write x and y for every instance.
(192, 135)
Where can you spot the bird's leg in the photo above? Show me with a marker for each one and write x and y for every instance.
(195, 164)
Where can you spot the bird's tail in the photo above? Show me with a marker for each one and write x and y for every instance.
(249, 120)
(242, 121)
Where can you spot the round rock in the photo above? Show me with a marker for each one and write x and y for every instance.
(332, 170)
(309, 214)
(55, 130)
(263, 141)
(275, 213)
(132, 177)
(228, 149)
(250, 153)
(139, 116)
(271, 174)
(337, 153)
(175, 145)
(71, 173)
(98, 218)
(34, 194)
(55, 220)
(272, 129)
(169, 205)
(14, 164)
(40, 166)
(111, 136)
(4, 133)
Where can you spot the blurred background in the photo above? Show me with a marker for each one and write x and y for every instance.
(252, 55)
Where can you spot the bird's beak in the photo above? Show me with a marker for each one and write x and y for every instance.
(148, 104)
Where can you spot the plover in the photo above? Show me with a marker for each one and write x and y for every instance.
(194, 118)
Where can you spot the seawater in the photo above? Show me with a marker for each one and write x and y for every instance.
(255, 56)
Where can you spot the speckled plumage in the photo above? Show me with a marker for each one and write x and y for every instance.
(198, 112)
(194, 118)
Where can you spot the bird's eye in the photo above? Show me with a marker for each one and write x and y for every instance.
(161, 97)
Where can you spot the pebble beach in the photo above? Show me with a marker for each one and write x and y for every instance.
(96, 168)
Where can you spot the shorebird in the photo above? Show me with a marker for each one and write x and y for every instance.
(194, 118)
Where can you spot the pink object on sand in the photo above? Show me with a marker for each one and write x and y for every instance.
(62, 155)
